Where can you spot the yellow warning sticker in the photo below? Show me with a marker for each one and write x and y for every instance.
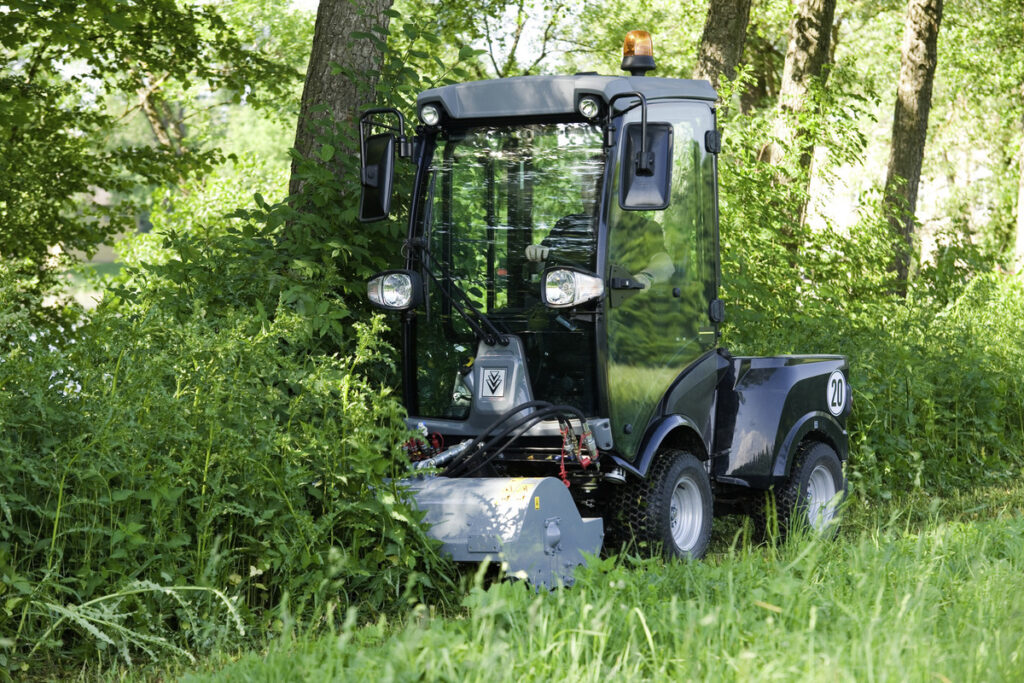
(517, 489)
(536, 502)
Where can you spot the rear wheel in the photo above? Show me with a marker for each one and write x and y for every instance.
(814, 491)
(672, 508)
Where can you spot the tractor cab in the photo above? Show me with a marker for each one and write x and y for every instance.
(564, 234)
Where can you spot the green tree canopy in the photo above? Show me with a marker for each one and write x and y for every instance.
(66, 183)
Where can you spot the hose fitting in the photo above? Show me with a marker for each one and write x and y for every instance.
(444, 457)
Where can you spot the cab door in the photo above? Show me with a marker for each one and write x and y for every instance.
(654, 333)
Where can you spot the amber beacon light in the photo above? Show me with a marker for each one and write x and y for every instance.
(638, 53)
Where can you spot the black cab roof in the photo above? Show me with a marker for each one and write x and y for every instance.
(552, 95)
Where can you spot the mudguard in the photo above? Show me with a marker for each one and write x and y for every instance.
(766, 406)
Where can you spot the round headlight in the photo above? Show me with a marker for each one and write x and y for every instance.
(560, 288)
(430, 115)
(396, 290)
(565, 287)
(589, 107)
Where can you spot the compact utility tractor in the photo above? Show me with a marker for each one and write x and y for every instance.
(560, 319)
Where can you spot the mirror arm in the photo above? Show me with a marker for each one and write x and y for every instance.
(644, 160)
(404, 143)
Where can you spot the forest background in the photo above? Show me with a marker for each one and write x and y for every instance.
(198, 432)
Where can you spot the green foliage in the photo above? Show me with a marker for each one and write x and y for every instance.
(514, 37)
(66, 189)
(937, 392)
(212, 448)
(217, 424)
(202, 207)
(936, 376)
(596, 32)
(315, 253)
(179, 451)
(976, 134)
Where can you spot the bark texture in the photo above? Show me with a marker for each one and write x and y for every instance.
(910, 125)
(721, 45)
(810, 40)
(341, 96)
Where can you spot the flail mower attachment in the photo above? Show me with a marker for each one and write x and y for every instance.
(530, 525)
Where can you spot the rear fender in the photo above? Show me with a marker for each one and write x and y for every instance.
(814, 426)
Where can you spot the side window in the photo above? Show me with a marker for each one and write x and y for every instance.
(653, 333)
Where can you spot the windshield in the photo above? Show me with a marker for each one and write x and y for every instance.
(503, 203)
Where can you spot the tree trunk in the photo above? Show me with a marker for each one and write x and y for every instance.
(329, 96)
(910, 125)
(721, 46)
(810, 38)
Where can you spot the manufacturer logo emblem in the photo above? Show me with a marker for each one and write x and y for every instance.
(494, 383)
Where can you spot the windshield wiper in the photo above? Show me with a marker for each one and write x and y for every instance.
(481, 325)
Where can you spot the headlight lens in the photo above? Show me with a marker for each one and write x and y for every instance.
(396, 289)
(589, 107)
(430, 115)
(564, 287)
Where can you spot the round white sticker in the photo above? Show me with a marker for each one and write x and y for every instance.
(836, 392)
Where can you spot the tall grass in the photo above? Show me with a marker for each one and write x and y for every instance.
(944, 601)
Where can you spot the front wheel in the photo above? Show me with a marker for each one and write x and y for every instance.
(673, 508)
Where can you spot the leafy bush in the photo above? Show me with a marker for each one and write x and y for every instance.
(202, 205)
(212, 446)
(161, 450)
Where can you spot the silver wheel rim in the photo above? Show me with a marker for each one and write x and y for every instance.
(685, 514)
(821, 497)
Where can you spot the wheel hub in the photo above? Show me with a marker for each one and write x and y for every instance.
(685, 514)
(821, 497)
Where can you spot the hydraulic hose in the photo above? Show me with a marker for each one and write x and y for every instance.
(466, 465)
(471, 448)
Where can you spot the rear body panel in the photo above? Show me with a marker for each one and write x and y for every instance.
(750, 415)
(766, 406)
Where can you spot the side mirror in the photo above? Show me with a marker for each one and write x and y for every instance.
(378, 171)
(377, 164)
(646, 169)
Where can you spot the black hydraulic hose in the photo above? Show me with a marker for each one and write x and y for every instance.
(533, 417)
(470, 449)
(546, 412)
(522, 426)
(496, 438)
(469, 459)
(525, 426)
(543, 405)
